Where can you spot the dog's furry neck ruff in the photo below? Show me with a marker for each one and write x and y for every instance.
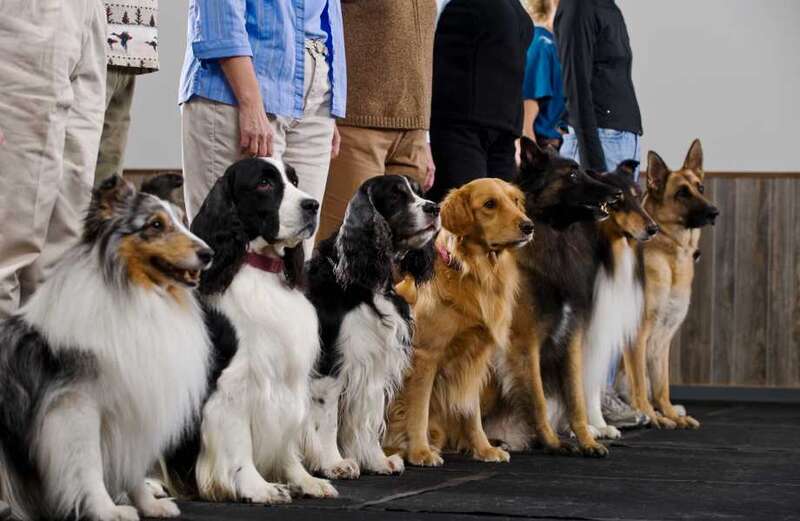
(458, 253)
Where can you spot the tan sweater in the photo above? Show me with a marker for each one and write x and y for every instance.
(389, 46)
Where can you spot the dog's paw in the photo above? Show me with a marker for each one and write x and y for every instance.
(608, 432)
(119, 513)
(662, 422)
(156, 487)
(492, 455)
(345, 469)
(266, 494)
(315, 487)
(424, 458)
(161, 507)
(680, 410)
(686, 422)
(391, 465)
(562, 448)
(594, 450)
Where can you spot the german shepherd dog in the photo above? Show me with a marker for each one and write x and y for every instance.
(552, 313)
(675, 200)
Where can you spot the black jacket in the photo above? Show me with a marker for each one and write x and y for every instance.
(479, 63)
(596, 59)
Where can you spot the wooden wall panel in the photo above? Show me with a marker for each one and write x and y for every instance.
(743, 326)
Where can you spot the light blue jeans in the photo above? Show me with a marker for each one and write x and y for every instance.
(618, 145)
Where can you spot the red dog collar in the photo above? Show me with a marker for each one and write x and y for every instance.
(264, 263)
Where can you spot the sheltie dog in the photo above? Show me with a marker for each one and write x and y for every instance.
(554, 308)
(365, 326)
(105, 366)
(463, 315)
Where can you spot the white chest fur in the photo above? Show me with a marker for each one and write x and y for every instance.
(618, 305)
(278, 345)
(377, 348)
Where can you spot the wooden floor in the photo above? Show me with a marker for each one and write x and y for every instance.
(743, 464)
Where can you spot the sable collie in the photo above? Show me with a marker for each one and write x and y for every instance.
(463, 316)
(554, 308)
(105, 366)
(675, 200)
(265, 342)
(365, 325)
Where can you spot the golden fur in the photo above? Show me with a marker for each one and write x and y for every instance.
(669, 269)
(462, 316)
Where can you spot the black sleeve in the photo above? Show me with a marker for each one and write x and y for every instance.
(575, 34)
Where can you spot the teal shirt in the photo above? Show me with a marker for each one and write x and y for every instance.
(543, 83)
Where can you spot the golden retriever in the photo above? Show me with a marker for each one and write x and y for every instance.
(462, 316)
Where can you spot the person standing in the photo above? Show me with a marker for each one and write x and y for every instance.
(543, 90)
(476, 107)
(389, 59)
(605, 124)
(131, 50)
(261, 78)
(52, 94)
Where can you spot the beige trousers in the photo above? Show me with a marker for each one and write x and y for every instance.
(211, 139)
(366, 153)
(52, 95)
(120, 86)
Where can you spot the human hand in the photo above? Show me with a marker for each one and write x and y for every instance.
(430, 170)
(255, 130)
(336, 142)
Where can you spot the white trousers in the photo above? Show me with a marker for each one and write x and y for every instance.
(211, 139)
(52, 99)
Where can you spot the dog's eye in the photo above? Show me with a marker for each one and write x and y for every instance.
(490, 204)
(264, 184)
(573, 176)
(157, 225)
(701, 189)
(682, 192)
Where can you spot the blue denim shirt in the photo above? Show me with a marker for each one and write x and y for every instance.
(272, 33)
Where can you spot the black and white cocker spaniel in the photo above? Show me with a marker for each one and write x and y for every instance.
(365, 326)
(255, 422)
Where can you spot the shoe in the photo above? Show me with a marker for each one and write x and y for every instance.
(5, 511)
(619, 414)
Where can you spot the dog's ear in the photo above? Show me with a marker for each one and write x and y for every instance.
(294, 266)
(218, 224)
(364, 244)
(457, 215)
(419, 263)
(627, 169)
(694, 159)
(163, 186)
(657, 174)
(109, 200)
(533, 157)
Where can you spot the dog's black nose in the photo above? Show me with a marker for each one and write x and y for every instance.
(431, 208)
(711, 213)
(652, 229)
(205, 255)
(526, 227)
(310, 206)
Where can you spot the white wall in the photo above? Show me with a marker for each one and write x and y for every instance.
(726, 71)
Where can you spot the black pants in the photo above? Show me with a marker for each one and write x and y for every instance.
(464, 152)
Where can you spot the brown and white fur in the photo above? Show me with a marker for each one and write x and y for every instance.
(463, 315)
(105, 367)
(675, 200)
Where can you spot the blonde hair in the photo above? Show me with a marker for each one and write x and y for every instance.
(539, 9)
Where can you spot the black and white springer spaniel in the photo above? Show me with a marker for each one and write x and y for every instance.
(255, 423)
(365, 326)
